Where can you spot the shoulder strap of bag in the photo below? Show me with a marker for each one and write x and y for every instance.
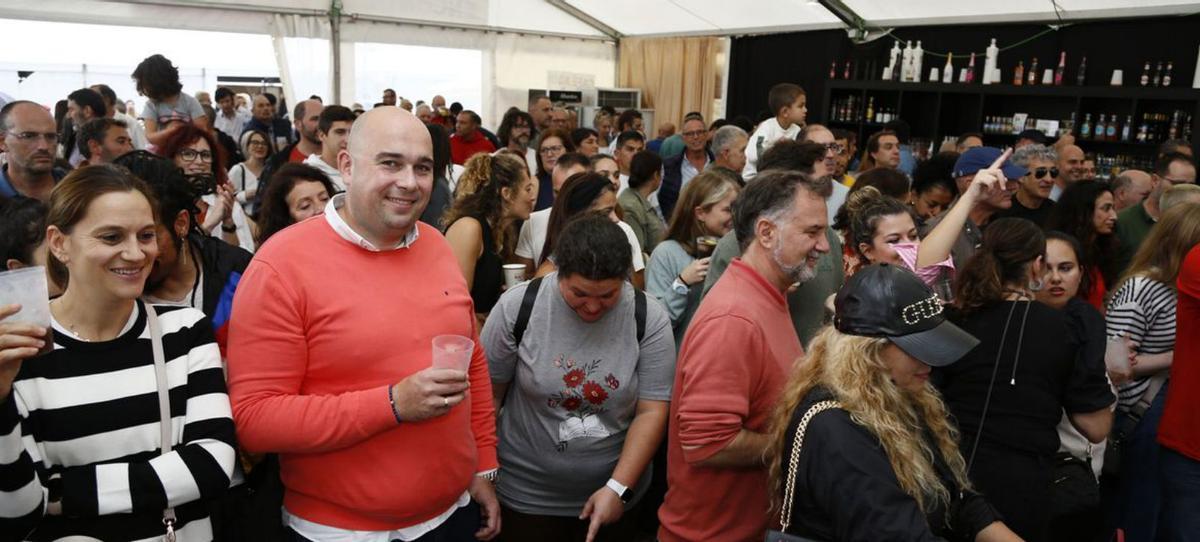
(531, 293)
(789, 488)
(164, 404)
(639, 313)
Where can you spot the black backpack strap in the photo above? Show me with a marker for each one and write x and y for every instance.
(531, 293)
(639, 313)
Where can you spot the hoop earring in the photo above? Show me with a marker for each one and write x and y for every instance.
(1036, 285)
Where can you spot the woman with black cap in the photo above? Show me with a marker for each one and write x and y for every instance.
(882, 462)
(1008, 394)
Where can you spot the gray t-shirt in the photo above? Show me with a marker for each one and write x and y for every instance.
(186, 109)
(573, 392)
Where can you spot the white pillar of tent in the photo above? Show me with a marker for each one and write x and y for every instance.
(487, 98)
(347, 71)
(285, 74)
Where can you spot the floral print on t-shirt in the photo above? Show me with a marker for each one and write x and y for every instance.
(583, 396)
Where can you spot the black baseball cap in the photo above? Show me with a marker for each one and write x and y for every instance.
(889, 302)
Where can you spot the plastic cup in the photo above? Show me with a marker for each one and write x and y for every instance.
(514, 273)
(1116, 355)
(27, 287)
(452, 352)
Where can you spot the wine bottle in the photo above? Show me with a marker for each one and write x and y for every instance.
(1110, 131)
(1079, 79)
(1032, 76)
(870, 109)
(970, 70)
(846, 74)
(1061, 69)
(948, 72)
(833, 70)
(1019, 74)
(1126, 129)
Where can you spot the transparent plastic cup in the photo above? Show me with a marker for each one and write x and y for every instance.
(1116, 355)
(452, 352)
(27, 287)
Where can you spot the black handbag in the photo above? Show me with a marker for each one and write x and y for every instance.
(789, 487)
(1075, 487)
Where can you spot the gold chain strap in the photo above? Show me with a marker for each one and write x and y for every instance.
(789, 489)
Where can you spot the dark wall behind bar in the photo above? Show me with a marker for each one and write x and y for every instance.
(758, 62)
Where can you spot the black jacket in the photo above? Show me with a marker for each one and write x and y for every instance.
(672, 183)
(274, 162)
(223, 266)
(846, 489)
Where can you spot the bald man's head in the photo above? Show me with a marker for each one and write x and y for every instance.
(1070, 164)
(388, 171)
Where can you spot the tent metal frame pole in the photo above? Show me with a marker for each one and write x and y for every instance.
(587, 19)
(335, 48)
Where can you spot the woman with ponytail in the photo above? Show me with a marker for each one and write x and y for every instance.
(879, 458)
(495, 195)
(1009, 393)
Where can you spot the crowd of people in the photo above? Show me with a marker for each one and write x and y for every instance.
(737, 330)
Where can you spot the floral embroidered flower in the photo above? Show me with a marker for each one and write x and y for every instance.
(572, 403)
(574, 378)
(594, 393)
(612, 382)
(570, 362)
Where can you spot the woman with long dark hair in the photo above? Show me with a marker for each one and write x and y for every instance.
(1009, 393)
(294, 193)
(481, 226)
(1085, 211)
(192, 269)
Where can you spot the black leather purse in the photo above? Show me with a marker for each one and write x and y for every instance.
(789, 487)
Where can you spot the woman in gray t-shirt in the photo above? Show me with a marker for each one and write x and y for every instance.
(583, 379)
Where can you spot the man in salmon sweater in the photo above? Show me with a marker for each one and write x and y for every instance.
(330, 358)
(735, 359)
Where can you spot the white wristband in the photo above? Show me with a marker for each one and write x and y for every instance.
(616, 486)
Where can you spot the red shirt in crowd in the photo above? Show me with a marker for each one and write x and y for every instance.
(297, 156)
(734, 362)
(1179, 429)
(321, 328)
(463, 148)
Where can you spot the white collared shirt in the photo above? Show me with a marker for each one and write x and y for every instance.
(346, 232)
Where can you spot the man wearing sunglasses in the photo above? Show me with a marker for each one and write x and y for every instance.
(1032, 198)
(30, 141)
(1134, 223)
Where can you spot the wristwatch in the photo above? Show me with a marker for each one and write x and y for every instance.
(624, 493)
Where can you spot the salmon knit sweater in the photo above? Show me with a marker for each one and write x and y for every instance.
(320, 329)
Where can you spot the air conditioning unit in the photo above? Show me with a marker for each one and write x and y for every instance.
(617, 98)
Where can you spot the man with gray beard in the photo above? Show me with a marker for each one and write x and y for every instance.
(734, 361)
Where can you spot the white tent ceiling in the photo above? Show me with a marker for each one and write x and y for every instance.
(551, 17)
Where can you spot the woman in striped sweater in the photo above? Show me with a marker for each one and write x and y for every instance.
(1142, 309)
(80, 450)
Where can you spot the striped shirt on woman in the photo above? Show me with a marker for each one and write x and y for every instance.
(82, 426)
(1143, 309)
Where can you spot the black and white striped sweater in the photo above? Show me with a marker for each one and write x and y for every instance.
(82, 426)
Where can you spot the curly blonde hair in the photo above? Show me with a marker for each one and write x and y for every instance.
(853, 369)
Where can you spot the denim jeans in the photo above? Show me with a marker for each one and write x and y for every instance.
(1140, 498)
(1180, 520)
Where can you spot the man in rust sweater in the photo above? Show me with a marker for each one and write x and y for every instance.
(734, 361)
(330, 358)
